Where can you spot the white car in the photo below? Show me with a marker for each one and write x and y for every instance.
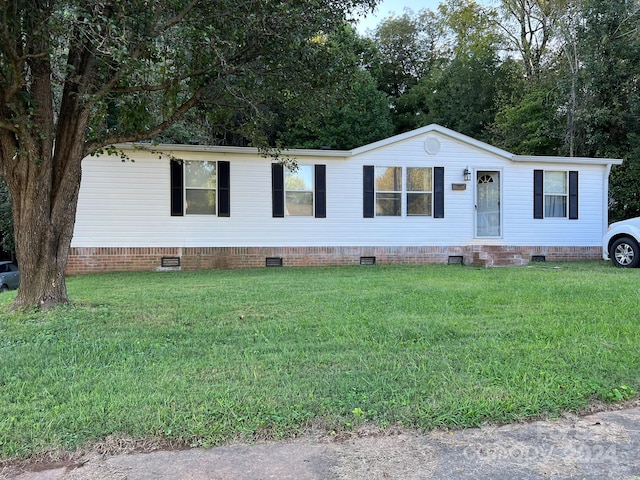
(621, 243)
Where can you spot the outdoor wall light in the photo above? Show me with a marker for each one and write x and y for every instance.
(467, 174)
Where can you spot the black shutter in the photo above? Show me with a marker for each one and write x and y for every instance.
(538, 194)
(224, 189)
(368, 200)
(177, 188)
(277, 189)
(573, 195)
(321, 191)
(438, 192)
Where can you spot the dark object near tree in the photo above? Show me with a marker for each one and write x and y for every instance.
(9, 276)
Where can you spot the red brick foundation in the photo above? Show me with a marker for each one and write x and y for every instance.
(106, 259)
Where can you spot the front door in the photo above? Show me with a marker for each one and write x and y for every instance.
(488, 204)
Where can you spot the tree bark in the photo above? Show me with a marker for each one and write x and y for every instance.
(43, 174)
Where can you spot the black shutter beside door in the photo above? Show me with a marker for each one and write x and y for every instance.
(438, 192)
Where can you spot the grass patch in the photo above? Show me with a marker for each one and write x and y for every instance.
(201, 358)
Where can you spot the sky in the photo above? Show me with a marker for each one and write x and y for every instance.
(387, 7)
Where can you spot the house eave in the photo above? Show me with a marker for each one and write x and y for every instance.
(568, 160)
(434, 128)
(174, 149)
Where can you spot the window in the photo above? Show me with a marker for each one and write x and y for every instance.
(298, 187)
(555, 194)
(419, 191)
(403, 191)
(200, 188)
(389, 191)
(302, 192)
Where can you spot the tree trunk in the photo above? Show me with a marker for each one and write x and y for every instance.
(44, 216)
(44, 183)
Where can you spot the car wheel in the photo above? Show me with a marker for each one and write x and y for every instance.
(625, 253)
(4, 288)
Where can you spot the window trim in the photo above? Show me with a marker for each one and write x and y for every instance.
(278, 191)
(178, 188)
(400, 193)
(564, 195)
(423, 192)
(288, 171)
(197, 188)
(369, 191)
(539, 195)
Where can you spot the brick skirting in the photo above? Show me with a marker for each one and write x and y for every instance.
(119, 259)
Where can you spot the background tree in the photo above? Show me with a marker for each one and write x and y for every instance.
(350, 113)
(82, 75)
(462, 89)
(408, 46)
(529, 27)
(528, 123)
(609, 43)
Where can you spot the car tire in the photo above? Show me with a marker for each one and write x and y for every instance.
(625, 253)
(4, 288)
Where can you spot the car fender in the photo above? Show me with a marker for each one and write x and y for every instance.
(625, 228)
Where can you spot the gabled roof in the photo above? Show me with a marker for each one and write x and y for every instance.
(437, 129)
(344, 154)
(434, 128)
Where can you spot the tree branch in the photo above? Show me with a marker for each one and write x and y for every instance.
(91, 147)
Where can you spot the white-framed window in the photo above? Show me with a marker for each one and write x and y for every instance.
(404, 191)
(388, 185)
(200, 184)
(419, 191)
(556, 194)
(298, 186)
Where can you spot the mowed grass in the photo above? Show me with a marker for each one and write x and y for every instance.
(202, 358)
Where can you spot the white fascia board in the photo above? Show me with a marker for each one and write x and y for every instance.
(569, 160)
(176, 148)
(434, 128)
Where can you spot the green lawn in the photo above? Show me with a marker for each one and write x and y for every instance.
(201, 358)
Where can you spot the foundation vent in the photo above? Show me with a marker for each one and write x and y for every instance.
(273, 262)
(170, 262)
(455, 260)
(367, 260)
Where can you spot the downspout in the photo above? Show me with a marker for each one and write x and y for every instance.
(605, 200)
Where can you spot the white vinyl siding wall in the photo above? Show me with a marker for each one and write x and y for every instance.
(127, 204)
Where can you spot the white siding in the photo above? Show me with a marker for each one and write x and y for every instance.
(127, 204)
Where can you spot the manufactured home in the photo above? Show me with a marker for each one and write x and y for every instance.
(431, 195)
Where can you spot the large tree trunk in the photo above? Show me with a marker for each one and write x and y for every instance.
(44, 221)
(43, 173)
(41, 163)
(44, 210)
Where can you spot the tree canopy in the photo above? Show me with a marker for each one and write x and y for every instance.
(78, 76)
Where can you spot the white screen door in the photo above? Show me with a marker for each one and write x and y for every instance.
(488, 204)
